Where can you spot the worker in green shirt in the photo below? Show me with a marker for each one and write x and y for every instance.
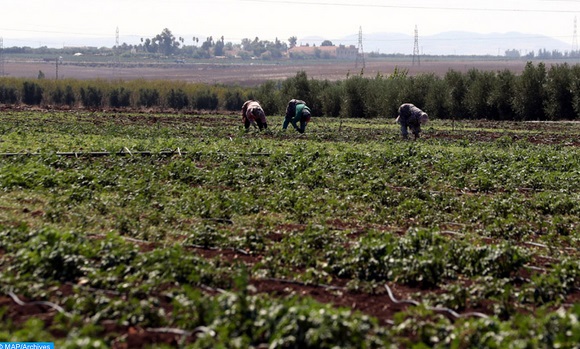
(297, 111)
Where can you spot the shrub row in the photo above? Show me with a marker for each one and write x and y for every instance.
(97, 94)
(538, 93)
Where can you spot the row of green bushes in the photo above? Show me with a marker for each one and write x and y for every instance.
(538, 93)
(95, 94)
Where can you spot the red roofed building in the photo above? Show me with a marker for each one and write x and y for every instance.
(326, 52)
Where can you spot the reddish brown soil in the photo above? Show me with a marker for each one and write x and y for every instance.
(376, 303)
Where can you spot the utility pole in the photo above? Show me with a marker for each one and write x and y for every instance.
(117, 45)
(1, 56)
(360, 56)
(416, 54)
(575, 37)
(116, 53)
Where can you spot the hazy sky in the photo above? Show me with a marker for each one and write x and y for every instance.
(51, 23)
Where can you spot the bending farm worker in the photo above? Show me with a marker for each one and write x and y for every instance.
(253, 114)
(411, 117)
(297, 111)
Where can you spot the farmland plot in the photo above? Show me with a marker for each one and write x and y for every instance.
(466, 238)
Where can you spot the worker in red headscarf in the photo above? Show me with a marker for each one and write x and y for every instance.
(253, 114)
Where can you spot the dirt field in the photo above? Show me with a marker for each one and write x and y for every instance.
(247, 74)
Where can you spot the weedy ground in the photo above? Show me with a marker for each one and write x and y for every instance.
(345, 236)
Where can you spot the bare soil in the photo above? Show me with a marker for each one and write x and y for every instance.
(248, 73)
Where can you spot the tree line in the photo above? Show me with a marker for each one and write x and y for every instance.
(166, 44)
(538, 93)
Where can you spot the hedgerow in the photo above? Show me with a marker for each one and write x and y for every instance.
(538, 93)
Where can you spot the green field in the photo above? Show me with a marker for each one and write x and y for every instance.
(345, 237)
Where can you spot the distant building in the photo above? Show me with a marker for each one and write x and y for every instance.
(346, 52)
(81, 48)
(326, 52)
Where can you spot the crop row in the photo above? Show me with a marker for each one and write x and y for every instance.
(520, 192)
(108, 280)
(182, 245)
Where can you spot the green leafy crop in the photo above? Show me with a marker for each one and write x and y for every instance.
(185, 227)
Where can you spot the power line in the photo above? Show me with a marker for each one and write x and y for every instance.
(410, 7)
(51, 32)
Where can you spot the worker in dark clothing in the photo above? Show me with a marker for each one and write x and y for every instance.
(297, 111)
(411, 117)
(253, 114)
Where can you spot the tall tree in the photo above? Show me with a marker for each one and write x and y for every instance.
(292, 41)
(207, 44)
(166, 42)
(530, 92)
(206, 47)
(219, 47)
(149, 45)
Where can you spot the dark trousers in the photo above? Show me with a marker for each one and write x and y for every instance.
(261, 125)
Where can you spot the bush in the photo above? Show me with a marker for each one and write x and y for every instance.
(575, 89)
(31, 93)
(559, 100)
(502, 95)
(331, 99)
(206, 100)
(57, 96)
(530, 94)
(417, 88)
(388, 92)
(478, 96)
(457, 92)
(297, 87)
(233, 100)
(8, 95)
(315, 100)
(120, 97)
(269, 96)
(177, 99)
(91, 97)
(356, 90)
(436, 101)
(148, 97)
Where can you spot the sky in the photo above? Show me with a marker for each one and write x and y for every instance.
(36, 23)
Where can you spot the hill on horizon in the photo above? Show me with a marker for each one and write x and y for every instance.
(446, 43)
(450, 43)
